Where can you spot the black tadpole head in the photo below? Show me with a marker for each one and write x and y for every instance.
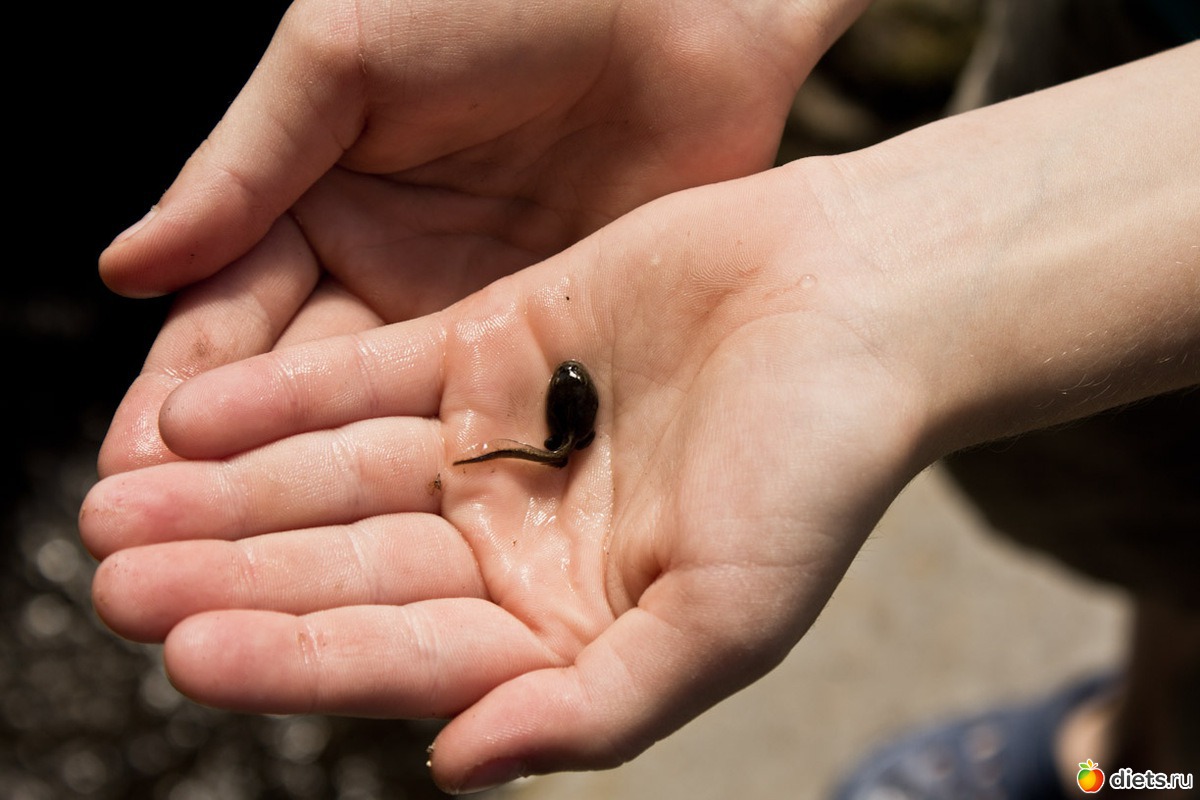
(571, 404)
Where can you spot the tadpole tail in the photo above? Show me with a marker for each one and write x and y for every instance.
(556, 460)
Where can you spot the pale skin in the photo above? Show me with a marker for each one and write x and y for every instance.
(378, 166)
(776, 357)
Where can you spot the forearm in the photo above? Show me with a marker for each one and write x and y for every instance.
(1038, 260)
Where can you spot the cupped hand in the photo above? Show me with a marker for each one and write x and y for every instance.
(400, 161)
(775, 357)
(321, 552)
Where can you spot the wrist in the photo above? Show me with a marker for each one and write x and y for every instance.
(1036, 261)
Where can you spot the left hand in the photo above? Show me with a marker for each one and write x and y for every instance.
(748, 439)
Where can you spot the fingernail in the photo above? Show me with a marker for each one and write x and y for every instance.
(493, 773)
(132, 230)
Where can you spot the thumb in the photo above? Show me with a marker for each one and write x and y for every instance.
(291, 122)
(657, 667)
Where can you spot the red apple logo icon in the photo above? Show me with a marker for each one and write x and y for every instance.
(1090, 778)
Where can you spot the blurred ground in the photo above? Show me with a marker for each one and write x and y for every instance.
(935, 617)
(84, 714)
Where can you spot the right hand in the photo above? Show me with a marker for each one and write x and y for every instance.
(321, 552)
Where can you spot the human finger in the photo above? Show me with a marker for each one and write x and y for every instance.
(387, 371)
(236, 314)
(293, 120)
(394, 559)
(331, 310)
(326, 477)
(427, 659)
(688, 644)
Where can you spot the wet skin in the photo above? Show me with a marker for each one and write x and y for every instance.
(571, 403)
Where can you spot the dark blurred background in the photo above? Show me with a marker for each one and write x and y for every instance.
(112, 101)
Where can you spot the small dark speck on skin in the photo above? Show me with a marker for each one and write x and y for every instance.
(435, 485)
(201, 351)
(568, 298)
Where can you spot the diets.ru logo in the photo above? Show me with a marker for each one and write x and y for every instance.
(1090, 777)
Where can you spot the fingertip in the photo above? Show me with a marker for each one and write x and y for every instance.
(197, 654)
(170, 502)
(104, 596)
(236, 660)
(155, 256)
(205, 417)
(642, 679)
(194, 652)
(98, 521)
(120, 602)
(487, 775)
(540, 722)
(114, 261)
(120, 512)
(168, 248)
(175, 418)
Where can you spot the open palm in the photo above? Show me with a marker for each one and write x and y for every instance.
(567, 617)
